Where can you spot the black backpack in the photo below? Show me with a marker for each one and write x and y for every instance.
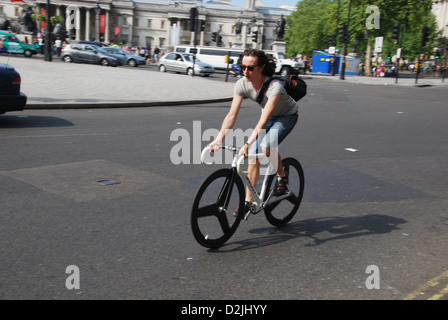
(294, 86)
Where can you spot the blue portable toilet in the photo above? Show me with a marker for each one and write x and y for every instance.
(322, 62)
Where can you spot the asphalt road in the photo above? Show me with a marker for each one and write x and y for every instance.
(376, 167)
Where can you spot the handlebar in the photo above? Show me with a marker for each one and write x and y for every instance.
(207, 150)
(236, 162)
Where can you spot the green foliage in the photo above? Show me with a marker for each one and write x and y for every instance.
(56, 19)
(309, 26)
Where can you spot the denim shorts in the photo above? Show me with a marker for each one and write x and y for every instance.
(277, 129)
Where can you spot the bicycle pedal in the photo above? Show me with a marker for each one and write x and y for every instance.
(246, 216)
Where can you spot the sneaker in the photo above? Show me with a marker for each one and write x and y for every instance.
(281, 186)
(246, 209)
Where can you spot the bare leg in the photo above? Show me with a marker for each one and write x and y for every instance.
(253, 172)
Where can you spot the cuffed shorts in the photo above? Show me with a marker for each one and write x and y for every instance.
(277, 129)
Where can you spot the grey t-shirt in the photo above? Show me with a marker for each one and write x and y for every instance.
(286, 105)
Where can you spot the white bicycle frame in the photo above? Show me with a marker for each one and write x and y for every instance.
(237, 163)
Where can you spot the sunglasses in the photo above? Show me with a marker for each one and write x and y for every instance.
(250, 68)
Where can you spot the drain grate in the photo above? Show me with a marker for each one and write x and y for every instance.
(108, 182)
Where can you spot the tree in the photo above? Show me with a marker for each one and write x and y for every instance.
(309, 26)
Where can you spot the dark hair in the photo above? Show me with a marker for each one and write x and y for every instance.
(263, 60)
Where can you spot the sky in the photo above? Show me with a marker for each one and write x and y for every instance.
(269, 3)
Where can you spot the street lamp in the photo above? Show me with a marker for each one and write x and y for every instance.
(97, 22)
(345, 44)
(47, 47)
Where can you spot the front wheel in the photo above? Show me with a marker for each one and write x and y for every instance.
(281, 212)
(212, 216)
(104, 62)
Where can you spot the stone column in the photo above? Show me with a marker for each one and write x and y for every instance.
(97, 24)
(107, 31)
(87, 35)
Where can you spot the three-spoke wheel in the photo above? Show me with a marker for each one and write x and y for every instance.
(213, 219)
(281, 212)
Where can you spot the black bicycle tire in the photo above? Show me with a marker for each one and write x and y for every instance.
(202, 238)
(287, 163)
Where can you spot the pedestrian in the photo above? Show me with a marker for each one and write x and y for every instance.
(156, 54)
(58, 45)
(239, 62)
(148, 56)
(278, 117)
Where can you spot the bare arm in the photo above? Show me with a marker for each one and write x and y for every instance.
(228, 122)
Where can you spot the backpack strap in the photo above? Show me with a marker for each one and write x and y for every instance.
(264, 88)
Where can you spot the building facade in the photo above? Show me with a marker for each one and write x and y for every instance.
(161, 23)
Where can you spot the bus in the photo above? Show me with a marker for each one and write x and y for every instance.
(212, 55)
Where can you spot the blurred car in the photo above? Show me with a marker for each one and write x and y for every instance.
(87, 53)
(11, 99)
(183, 63)
(10, 43)
(131, 60)
(98, 44)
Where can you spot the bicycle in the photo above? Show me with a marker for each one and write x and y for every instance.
(222, 194)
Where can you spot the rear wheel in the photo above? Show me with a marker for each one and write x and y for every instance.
(286, 71)
(281, 212)
(28, 53)
(67, 59)
(162, 68)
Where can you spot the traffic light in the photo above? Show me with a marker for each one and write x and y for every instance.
(219, 40)
(389, 55)
(331, 39)
(214, 36)
(193, 17)
(425, 35)
(202, 25)
(396, 33)
(255, 36)
(437, 56)
(343, 34)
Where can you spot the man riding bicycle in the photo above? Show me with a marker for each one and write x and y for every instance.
(278, 117)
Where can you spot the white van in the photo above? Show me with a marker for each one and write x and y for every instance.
(285, 66)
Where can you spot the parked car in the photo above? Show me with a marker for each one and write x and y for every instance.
(87, 53)
(131, 60)
(98, 44)
(10, 43)
(183, 63)
(11, 99)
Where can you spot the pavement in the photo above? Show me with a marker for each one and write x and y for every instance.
(56, 85)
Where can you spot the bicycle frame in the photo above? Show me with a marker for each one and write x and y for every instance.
(257, 199)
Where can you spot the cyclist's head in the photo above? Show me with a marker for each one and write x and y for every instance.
(268, 65)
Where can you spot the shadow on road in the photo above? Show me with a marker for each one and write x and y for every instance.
(25, 121)
(319, 230)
